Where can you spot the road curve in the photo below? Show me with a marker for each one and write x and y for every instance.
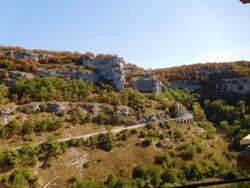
(114, 130)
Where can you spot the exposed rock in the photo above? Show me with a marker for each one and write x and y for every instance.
(22, 55)
(146, 83)
(207, 71)
(184, 84)
(124, 110)
(88, 76)
(95, 108)
(234, 85)
(55, 107)
(243, 160)
(7, 110)
(18, 74)
(245, 140)
(110, 70)
(33, 107)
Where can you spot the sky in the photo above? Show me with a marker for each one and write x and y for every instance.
(148, 33)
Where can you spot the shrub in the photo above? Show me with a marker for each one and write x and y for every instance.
(188, 153)
(105, 142)
(146, 142)
(20, 178)
(164, 159)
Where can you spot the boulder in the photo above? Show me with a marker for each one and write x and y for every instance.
(147, 83)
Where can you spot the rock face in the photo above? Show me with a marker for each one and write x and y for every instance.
(188, 85)
(88, 76)
(234, 85)
(22, 55)
(110, 70)
(147, 83)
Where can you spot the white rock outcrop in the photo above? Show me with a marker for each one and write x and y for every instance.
(110, 70)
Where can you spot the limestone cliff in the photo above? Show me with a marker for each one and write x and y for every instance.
(110, 70)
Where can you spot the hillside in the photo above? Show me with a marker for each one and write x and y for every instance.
(85, 120)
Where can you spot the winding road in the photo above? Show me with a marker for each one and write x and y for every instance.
(187, 118)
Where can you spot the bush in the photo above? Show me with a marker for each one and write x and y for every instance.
(198, 112)
(188, 153)
(105, 142)
(4, 92)
(20, 178)
(147, 142)
(77, 115)
(164, 159)
(193, 171)
(170, 175)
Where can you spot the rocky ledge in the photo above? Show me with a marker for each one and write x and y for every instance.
(146, 83)
(109, 69)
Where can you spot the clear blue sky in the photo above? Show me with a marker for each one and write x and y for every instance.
(148, 33)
